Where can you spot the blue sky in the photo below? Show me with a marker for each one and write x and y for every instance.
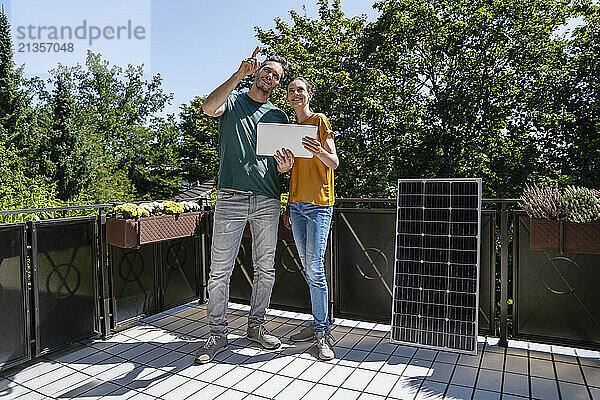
(194, 45)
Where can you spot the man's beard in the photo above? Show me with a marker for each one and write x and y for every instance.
(260, 86)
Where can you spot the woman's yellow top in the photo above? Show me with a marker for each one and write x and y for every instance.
(312, 181)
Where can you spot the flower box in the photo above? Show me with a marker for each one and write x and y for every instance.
(577, 237)
(128, 233)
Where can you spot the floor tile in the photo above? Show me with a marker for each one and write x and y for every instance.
(481, 394)
(208, 392)
(232, 394)
(516, 364)
(214, 373)
(183, 391)
(11, 390)
(493, 361)
(516, 384)
(425, 354)
(353, 358)
(395, 365)
(405, 351)
(345, 394)
(48, 378)
(252, 381)
(464, 376)
(544, 389)
(458, 393)
(320, 392)
(358, 379)
(374, 361)
(33, 371)
(166, 385)
(296, 367)
(440, 372)
(295, 390)
(541, 368)
(273, 386)
(572, 391)
(381, 384)
(595, 393)
(447, 357)
(316, 371)
(431, 391)
(405, 388)
(370, 396)
(367, 343)
(592, 376)
(233, 376)
(568, 372)
(489, 380)
(336, 375)
(385, 347)
(469, 360)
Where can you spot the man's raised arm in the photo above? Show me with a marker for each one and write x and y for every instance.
(214, 105)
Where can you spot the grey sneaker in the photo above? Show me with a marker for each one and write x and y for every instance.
(307, 334)
(323, 346)
(260, 335)
(213, 346)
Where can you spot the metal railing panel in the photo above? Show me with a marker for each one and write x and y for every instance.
(555, 295)
(64, 272)
(15, 345)
(133, 276)
(487, 273)
(179, 263)
(364, 256)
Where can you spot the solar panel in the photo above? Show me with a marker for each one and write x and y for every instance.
(436, 272)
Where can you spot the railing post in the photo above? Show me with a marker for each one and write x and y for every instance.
(105, 292)
(503, 276)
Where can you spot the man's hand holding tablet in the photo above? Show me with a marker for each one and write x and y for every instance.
(285, 160)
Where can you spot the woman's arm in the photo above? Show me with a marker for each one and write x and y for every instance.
(327, 154)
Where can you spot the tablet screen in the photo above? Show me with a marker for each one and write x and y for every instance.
(271, 137)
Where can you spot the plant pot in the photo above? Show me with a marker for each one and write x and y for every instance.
(128, 233)
(545, 235)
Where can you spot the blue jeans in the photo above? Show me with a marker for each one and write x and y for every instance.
(310, 226)
(232, 211)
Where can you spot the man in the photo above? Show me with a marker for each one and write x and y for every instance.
(248, 191)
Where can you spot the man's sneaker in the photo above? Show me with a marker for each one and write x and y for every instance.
(260, 335)
(213, 346)
(323, 346)
(307, 334)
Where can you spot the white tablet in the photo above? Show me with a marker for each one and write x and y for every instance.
(271, 137)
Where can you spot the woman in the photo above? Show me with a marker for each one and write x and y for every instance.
(311, 207)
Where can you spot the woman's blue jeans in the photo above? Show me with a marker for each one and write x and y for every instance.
(310, 226)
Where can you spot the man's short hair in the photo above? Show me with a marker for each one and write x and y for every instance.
(282, 61)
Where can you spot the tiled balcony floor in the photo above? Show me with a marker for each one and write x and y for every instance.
(154, 359)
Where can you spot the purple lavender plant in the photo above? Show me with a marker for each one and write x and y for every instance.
(543, 202)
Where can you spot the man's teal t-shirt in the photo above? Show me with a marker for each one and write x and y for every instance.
(239, 166)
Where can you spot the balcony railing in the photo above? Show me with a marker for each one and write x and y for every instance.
(62, 282)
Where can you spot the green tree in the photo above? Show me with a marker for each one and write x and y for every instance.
(153, 160)
(13, 102)
(198, 146)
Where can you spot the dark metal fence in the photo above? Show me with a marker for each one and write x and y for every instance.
(555, 295)
(63, 283)
(14, 297)
(64, 268)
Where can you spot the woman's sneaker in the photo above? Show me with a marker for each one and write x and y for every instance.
(213, 346)
(307, 334)
(324, 347)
